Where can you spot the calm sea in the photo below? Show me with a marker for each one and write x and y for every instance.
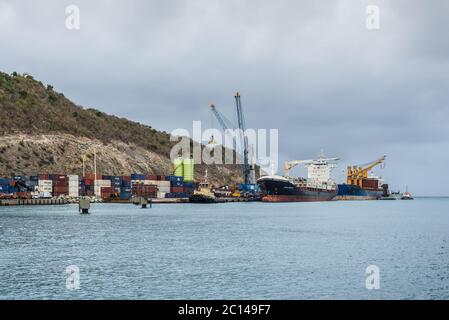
(227, 251)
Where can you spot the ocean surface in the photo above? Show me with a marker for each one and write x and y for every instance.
(227, 251)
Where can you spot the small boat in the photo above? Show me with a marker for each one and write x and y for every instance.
(204, 193)
(407, 195)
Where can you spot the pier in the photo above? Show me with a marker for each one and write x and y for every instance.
(32, 202)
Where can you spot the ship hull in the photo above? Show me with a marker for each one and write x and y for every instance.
(284, 191)
(351, 192)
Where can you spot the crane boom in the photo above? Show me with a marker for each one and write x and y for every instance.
(288, 165)
(243, 138)
(357, 173)
(225, 124)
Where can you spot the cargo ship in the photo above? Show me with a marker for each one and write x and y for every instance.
(361, 185)
(318, 186)
(354, 192)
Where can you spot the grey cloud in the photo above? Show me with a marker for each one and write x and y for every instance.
(309, 68)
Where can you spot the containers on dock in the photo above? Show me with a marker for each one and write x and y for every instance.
(74, 186)
(92, 176)
(60, 185)
(144, 190)
(175, 181)
(98, 184)
(107, 193)
(126, 182)
(4, 186)
(43, 177)
(45, 186)
(21, 178)
(138, 176)
(177, 189)
(176, 195)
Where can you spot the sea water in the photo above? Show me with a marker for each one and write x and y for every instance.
(227, 251)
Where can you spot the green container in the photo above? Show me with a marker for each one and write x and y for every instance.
(188, 169)
(178, 165)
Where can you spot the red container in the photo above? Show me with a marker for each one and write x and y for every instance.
(126, 178)
(91, 176)
(43, 177)
(107, 192)
(60, 189)
(23, 195)
(88, 182)
(144, 190)
(370, 183)
(177, 189)
(152, 177)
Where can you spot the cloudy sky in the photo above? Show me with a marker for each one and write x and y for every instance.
(310, 68)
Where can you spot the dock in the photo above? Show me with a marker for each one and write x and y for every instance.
(33, 202)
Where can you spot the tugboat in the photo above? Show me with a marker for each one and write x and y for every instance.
(407, 195)
(204, 193)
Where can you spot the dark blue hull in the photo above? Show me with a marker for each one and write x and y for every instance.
(351, 192)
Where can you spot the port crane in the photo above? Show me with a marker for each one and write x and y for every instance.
(288, 165)
(248, 169)
(357, 173)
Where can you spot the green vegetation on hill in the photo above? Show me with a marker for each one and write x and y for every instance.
(28, 106)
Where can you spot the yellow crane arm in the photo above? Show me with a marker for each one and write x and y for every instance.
(357, 173)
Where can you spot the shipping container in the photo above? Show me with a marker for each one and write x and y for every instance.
(21, 178)
(370, 184)
(91, 176)
(151, 177)
(137, 176)
(176, 189)
(125, 195)
(43, 177)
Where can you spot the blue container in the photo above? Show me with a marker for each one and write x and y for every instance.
(125, 195)
(126, 184)
(4, 181)
(33, 185)
(175, 178)
(21, 178)
(137, 176)
(13, 190)
(176, 184)
(4, 188)
(34, 178)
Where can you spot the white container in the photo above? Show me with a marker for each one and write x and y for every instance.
(102, 183)
(74, 192)
(161, 195)
(45, 186)
(163, 189)
(45, 183)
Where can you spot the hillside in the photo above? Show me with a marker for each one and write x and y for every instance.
(42, 131)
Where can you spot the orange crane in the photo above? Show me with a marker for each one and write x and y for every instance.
(357, 173)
